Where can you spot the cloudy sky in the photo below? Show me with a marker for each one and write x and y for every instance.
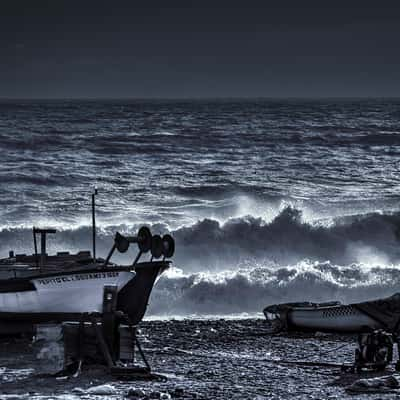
(174, 49)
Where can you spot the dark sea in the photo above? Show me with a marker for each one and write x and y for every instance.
(269, 201)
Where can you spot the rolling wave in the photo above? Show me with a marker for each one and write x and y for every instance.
(372, 238)
(369, 238)
(249, 290)
(287, 238)
(246, 263)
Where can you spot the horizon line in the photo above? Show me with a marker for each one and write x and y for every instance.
(199, 98)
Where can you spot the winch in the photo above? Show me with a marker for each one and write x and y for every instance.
(374, 352)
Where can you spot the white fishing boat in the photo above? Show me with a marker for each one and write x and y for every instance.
(41, 288)
(75, 291)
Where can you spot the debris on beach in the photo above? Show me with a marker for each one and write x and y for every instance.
(381, 384)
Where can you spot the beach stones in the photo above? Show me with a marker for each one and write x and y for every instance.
(135, 393)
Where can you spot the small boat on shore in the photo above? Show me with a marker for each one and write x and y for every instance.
(336, 317)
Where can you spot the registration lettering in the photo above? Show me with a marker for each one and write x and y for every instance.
(78, 277)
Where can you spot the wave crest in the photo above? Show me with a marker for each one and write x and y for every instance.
(370, 238)
(246, 263)
(250, 290)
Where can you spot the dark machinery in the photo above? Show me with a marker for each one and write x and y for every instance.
(374, 352)
(113, 332)
(157, 245)
(107, 338)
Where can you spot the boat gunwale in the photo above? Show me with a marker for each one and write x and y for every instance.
(86, 269)
(320, 308)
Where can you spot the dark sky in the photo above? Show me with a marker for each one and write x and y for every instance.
(168, 48)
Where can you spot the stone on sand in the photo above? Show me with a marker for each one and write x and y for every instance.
(379, 384)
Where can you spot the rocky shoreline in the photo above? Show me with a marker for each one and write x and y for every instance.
(200, 359)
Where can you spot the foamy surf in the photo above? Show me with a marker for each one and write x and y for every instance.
(240, 265)
(248, 290)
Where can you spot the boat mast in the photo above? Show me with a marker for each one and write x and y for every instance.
(94, 224)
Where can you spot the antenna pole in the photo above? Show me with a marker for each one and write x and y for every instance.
(35, 245)
(94, 224)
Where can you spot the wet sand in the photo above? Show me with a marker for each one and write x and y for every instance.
(202, 359)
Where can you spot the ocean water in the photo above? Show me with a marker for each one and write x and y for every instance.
(268, 201)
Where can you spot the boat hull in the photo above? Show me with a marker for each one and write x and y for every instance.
(68, 293)
(65, 296)
(335, 317)
(338, 319)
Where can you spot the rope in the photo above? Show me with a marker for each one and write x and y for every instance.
(335, 349)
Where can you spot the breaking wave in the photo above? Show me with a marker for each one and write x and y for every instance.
(246, 263)
(250, 290)
(372, 238)
(287, 239)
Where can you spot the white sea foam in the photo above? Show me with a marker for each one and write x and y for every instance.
(370, 239)
(247, 291)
